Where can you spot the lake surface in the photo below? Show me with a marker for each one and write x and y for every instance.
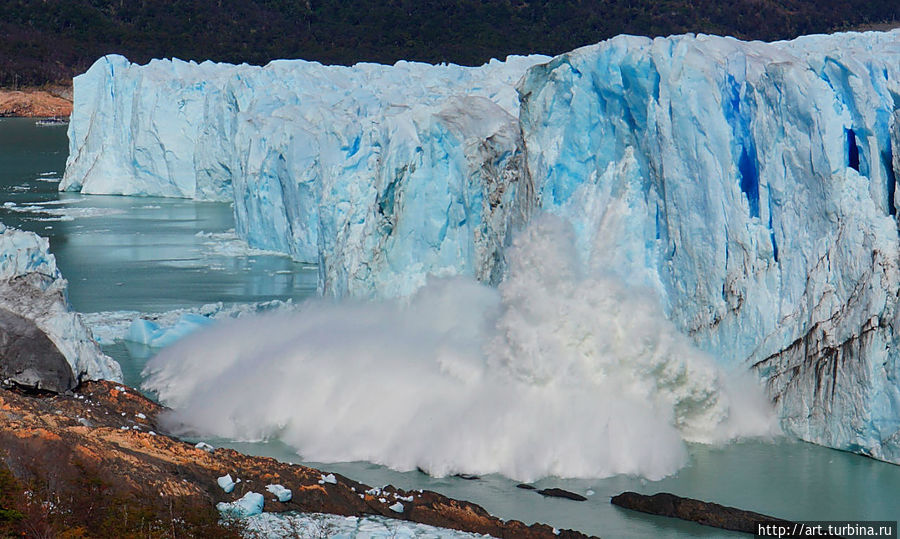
(154, 255)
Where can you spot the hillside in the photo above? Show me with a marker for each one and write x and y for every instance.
(45, 41)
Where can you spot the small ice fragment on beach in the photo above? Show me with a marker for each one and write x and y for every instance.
(330, 478)
(226, 482)
(397, 507)
(250, 504)
(204, 446)
(283, 494)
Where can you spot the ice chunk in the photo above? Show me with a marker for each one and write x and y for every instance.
(226, 483)
(283, 494)
(397, 507)
(330, 478)
(205, 447)
(249, 505)
(151, 334)
(110, 326)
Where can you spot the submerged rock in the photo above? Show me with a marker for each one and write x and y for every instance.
(706, 513)
(560, 493)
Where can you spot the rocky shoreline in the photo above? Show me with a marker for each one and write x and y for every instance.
(51, 102)
(97, 459)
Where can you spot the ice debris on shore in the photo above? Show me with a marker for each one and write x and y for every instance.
(248, 505)
(226, 483)
(281, 493)
(276, 526)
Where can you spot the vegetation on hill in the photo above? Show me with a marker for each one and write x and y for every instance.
(43, 41)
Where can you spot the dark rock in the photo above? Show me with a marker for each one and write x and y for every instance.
(526, 486)
(706, 513)
(560, 493)
(29, 358)
(467, 477)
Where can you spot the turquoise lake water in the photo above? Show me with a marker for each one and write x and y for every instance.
(154, 255)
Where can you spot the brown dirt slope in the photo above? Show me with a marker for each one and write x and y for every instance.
(33, 104)
(100, 452)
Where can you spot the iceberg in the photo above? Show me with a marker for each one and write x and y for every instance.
(749, 186)
(31, 287)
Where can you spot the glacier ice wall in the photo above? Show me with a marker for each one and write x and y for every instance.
(380, 174)
(32, 287)
(752, 186)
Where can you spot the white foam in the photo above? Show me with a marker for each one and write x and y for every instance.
(555, 373)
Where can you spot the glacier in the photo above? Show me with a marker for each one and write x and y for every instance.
(750, 187)
(32, 287)
(356, 196)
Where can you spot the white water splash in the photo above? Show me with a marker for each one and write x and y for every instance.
(555, 373)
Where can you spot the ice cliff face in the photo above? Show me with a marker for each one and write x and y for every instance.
(751, 186)
(380, 174)
(31, 287)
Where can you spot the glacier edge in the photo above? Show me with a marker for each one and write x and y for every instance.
(751, 186)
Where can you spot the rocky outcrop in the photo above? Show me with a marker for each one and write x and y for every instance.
(103, 442)
(32, 287)
(29, 358)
